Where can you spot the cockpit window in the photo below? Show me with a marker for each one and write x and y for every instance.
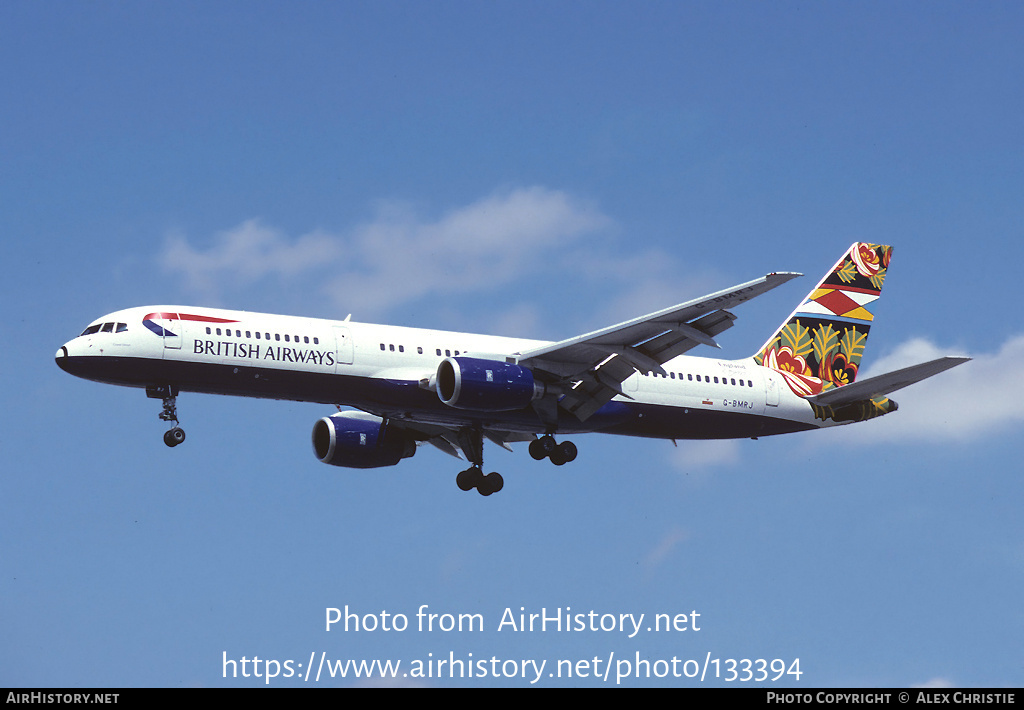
(105, 328)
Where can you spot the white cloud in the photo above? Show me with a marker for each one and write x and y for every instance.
(524, 248)
(398, 256)
(633, 282)
(700, 457)
(245, 255)
(937, 682)
(665, 546)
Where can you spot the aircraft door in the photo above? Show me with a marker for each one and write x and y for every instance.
(174, 337)
(343, 345)
(169, 326)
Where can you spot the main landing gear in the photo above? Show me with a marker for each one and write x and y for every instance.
(485, 484)
(545, 447)
(471, 441)
(175, 435)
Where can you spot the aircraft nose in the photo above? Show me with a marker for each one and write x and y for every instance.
(62, 358)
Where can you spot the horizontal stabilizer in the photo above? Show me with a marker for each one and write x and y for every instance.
(884, 384)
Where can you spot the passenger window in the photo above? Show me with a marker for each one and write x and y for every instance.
(401, 348)
(277, 337)
(248, 334)
(209, 330)
(391, 347)
(305, 339)
(419, 350)
(257, 335)
(316, 341)
(286, 339)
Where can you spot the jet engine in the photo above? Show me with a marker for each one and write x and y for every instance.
(485, 385)
(358, 440)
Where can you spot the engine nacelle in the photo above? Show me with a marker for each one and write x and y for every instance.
(485, 385)
(358, 440)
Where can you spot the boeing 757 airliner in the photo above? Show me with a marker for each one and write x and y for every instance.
(410, 386)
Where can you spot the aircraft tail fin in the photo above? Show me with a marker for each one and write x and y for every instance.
(820, 346)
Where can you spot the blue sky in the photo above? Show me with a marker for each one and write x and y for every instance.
(528, 169)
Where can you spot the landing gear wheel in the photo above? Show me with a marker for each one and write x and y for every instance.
(545, 447)
(541, 448)
(567, 451)
(471, 441)
(491, 483)
(175, 436)
(473, 477)
(469, 479)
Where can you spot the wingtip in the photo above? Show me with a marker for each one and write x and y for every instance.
(783, 276)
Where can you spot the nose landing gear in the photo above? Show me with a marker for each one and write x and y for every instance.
(175, 435)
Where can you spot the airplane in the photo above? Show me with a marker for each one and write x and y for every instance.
(410, 386)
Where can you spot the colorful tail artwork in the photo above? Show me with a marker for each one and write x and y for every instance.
(821, 344)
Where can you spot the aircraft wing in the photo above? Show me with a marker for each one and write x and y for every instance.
(598, 363)
(884, 384)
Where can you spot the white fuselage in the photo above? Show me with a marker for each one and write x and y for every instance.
(387, 371)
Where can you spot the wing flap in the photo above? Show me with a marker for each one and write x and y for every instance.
(683, 337)
(597, 388)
